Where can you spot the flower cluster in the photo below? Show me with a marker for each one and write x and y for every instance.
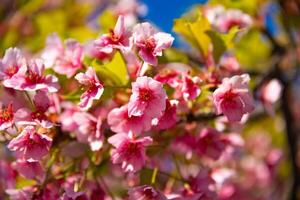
(81, 129)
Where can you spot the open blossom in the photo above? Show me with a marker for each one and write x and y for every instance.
(33, 78)
(66, 117)
(150, 42)
(25, 116)
(6, 117)
(121, 122)
(233, 99)
(211, 143)
(129, 152)
(148, 98)
(116, 39)
(30, 144)
(223, 20)
(88, 130)
(30, 169)
(94, 88)
(12, 63)
(64, 58)
(145, 192)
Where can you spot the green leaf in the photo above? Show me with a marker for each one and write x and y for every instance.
(222, 42)
(195, 32)
(107, 21)
(113, 72)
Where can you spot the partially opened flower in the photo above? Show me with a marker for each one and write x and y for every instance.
(270, 94)
(121, 122)
(94, 88)
(145, 192)
(30, 144)
(211, 143)
(150, 42)
(25, 116)
(30, 169)
(129, 152)
(116, 39)
(148, 98)
(189, 88)
(88, 130)
(64, 58)
(6, 117)
(12, 63)
(169, 117)
(33, 79)
(233, 99)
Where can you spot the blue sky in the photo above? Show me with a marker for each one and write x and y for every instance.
(162, 12)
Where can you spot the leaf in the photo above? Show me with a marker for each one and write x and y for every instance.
(195, 32)
(107, 21)
(114, 72)
(222, 42)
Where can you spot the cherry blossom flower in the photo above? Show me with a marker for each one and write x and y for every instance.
(150, 42)
(12, 63)
(30, 169)
(232, 98)
(270, 94)
(64, 58)
(145, 192)
(129, 152)
(230, 63)
(211, 143)
(88, 130)
(94, 88)
(30, 144)
(116, 39)
(7, 176)
(148, 98)
(169, 117)
(189, 89)
(33, 79)
(120, 122)
(6, 117)
(66, 117)
(25, 116)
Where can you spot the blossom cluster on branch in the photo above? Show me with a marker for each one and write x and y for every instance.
(119, 118)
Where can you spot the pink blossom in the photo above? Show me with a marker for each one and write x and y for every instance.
(150, 42)
(30, 144)
(231, 18)
(211, 143)
(12, 63)
(33, 79)
(64, 58)
(233, 99)
(120, 122)
(230, 63)
(88, 130)
(270, 94)
(189, 87)
(6, 117)
(129, 152)
(116, 39)
(30, 169)
(25, 193)
(203, 183)
(94, 88)
(7, 176)
(145, 193)
(66, 117)
(25, 116)
(148, 98)
(169, 117)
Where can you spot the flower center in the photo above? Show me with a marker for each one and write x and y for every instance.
(114, 38)
(38, 115)
(12, 70)
(145, 95)
(33, 77)
(150, 44)
(6, 115)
